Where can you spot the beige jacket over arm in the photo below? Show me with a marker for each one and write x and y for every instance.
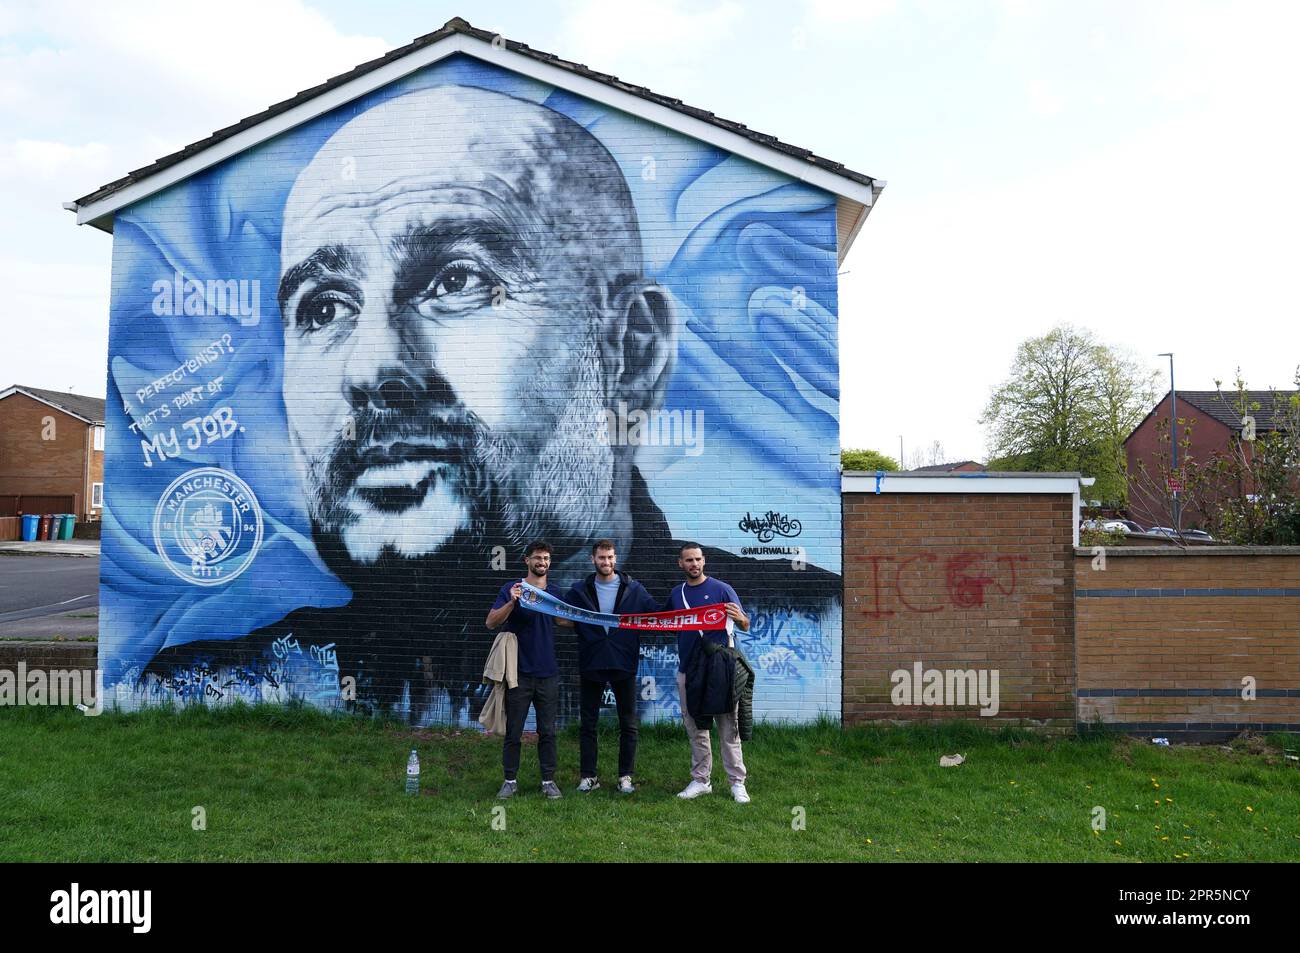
(502, 670)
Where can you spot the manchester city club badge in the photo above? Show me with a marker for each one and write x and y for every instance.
(207, 527)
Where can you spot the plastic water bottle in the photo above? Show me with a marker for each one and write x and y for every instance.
(413, 773)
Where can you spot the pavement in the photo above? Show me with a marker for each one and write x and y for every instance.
(57, 547)
(72, 626)
(43, 595)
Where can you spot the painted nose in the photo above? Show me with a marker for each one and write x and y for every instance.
(391, 393)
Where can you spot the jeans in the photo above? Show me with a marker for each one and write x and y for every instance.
(625, 701)
(543, 694)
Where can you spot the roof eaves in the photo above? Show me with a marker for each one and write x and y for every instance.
(87, 409)
(458, 25)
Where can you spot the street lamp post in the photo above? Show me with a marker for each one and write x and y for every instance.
(1173, 440)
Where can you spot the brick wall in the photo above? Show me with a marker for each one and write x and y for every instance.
(1166, 636)
(20, 661)
(48, 655)
(34, 466)
(959, 581)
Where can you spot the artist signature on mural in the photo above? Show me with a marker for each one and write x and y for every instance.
(770, 525)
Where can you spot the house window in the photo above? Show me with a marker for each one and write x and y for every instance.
(97, 496)
(99, 438)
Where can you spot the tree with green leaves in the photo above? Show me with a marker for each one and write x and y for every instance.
(1067, 404)
(868, 460)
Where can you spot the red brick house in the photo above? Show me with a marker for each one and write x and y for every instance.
(964, 466)
(51, 453)
(1216, 421)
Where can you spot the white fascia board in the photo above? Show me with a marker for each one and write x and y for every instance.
(893, 482)
(1078, 512)
(508, 59)
(42, 400)
(863, 212)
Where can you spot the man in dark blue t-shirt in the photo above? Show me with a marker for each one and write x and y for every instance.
(701, 590)
(539, 675)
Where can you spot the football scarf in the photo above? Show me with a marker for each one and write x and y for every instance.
(711, 617)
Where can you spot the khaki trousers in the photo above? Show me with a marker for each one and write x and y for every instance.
(733, 761)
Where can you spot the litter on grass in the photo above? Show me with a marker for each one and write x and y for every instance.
(1160, 741)
(950, 760)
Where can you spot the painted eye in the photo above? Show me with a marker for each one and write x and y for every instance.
(457, 278)
(322, 308)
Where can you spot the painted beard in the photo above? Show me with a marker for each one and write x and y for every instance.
(431, 481)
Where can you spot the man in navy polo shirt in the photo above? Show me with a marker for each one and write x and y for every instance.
(701, 590)
(539, 675)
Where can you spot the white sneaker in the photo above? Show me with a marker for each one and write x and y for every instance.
(588, 784)
(739, 793)
(625, 785)
(695, 789)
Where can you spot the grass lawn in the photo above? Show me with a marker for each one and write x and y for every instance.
(299, 785)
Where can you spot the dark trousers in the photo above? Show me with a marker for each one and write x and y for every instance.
(543, 694)
(625, 700)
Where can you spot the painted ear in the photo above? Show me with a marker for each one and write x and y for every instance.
(640, 345)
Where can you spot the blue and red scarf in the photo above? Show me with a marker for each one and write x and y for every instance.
(676, 620)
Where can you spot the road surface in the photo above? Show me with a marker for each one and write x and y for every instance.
(33, 587)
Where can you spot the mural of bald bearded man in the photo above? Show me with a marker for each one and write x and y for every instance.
(456, 323)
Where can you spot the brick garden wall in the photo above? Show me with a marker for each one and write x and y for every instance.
(959, 581)
(1166, 636)
(20, 660)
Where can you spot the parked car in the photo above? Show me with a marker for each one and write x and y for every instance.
(1197, 534)
(1120, 526)
(1111, 526)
